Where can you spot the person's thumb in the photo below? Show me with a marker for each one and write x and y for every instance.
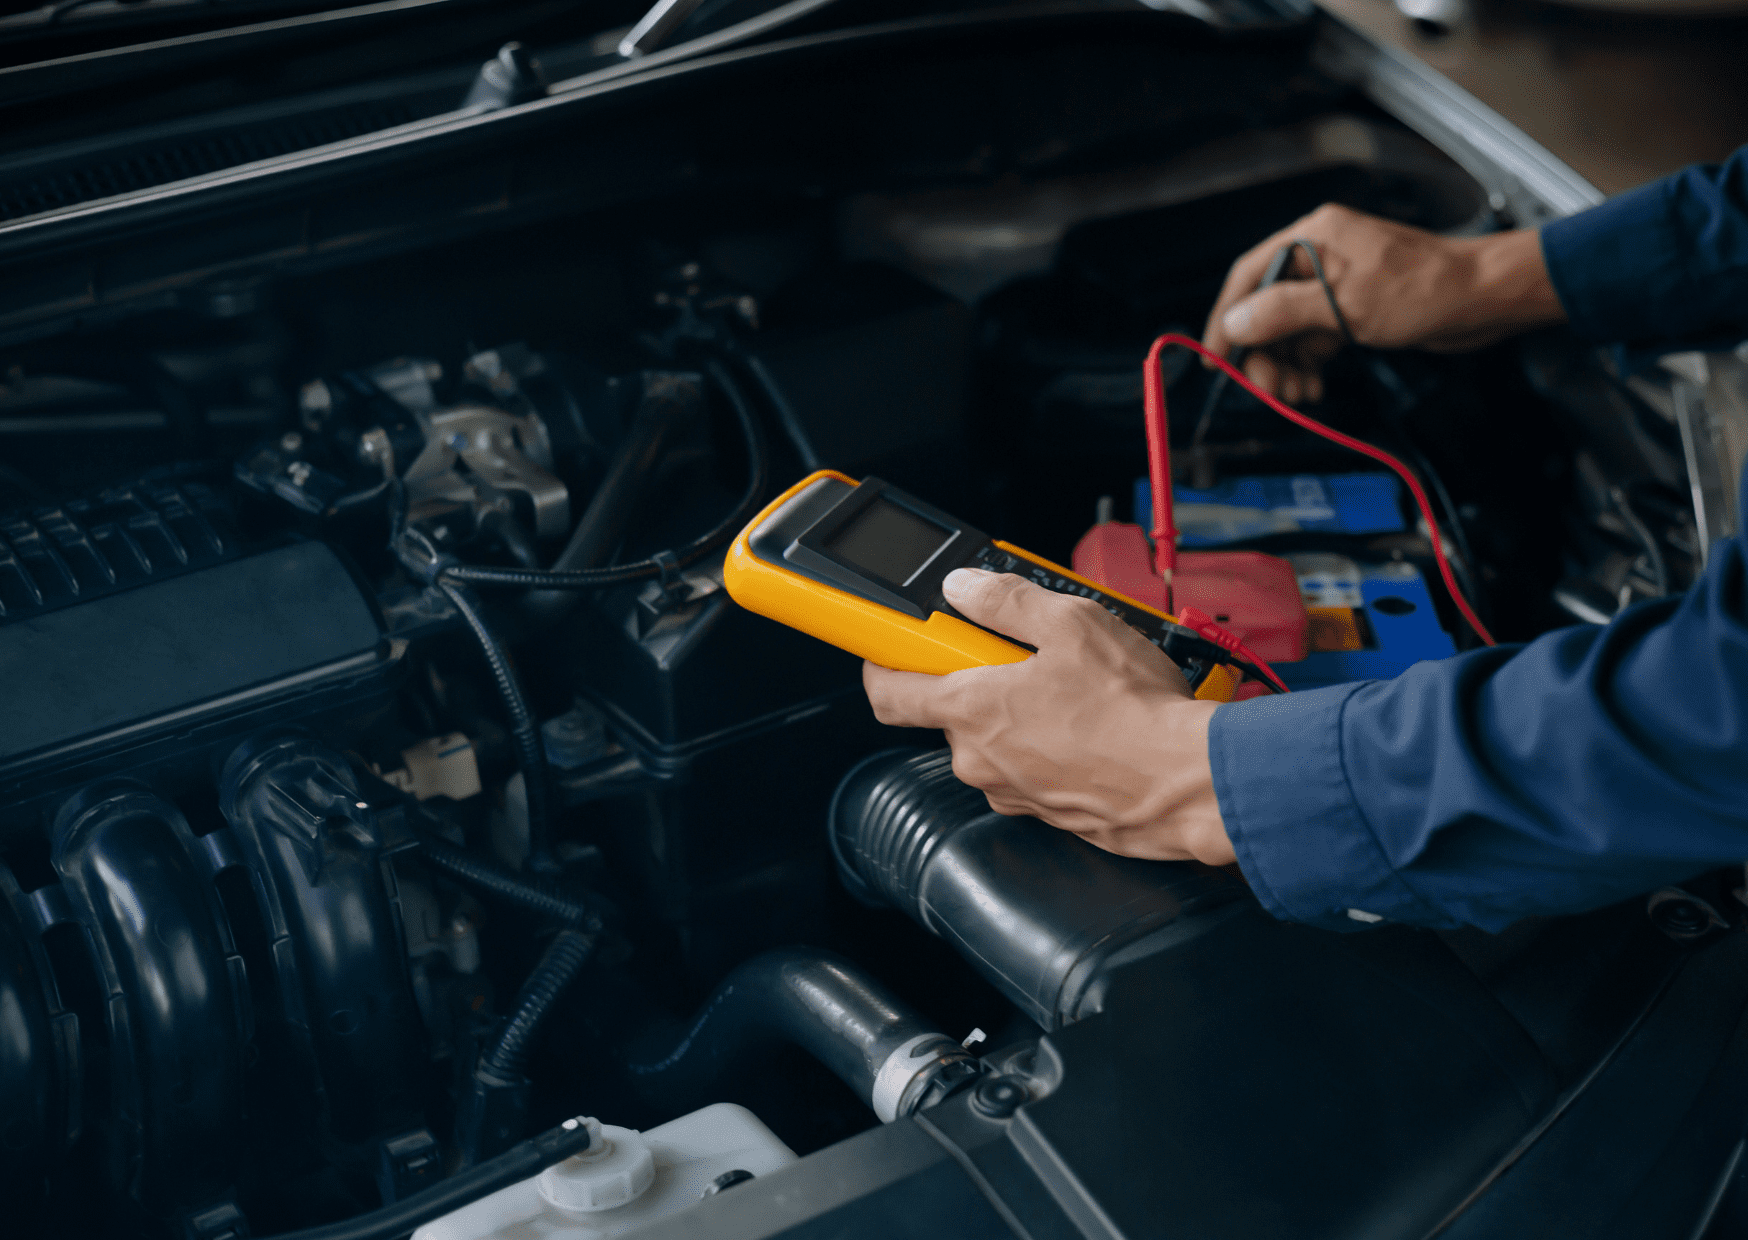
(1001, 601)
(1278, 311)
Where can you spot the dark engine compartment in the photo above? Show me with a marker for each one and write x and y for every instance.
(300, 914)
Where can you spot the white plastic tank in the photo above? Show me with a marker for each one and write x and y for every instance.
(626, 1179)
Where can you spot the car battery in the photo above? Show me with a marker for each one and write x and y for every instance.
(1254, 507)
(1368, 621)
(1356, 621)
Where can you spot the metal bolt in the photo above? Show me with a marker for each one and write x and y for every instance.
(314, 397)
(1682, 915)
(999, 1096)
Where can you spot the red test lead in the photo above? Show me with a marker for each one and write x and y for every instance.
(1207, 627)
(1159, 469)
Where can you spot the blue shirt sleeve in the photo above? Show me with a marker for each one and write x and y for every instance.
(1582, 768)
(1591, 764)
(1664, 263)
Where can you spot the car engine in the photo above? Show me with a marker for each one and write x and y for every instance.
(335, 886)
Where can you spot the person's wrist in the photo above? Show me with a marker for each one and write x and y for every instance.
(1508, 288)
(1184, 809)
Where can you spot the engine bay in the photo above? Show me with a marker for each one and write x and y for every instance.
(325, 880)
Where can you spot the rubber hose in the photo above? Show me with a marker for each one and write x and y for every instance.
(679, 557)
(519, 1162)
(524, 730)
(532, 893)
(507, 1057)
(602, 526)
(813, 999)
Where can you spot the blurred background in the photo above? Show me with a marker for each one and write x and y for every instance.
(1622, 90)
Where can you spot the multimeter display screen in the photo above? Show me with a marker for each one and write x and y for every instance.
(889, 541)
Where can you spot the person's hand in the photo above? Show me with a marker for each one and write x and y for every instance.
(1398, 287)
(1097, 733)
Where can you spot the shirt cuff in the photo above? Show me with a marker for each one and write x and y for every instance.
(1618, 267)
(1292, 818)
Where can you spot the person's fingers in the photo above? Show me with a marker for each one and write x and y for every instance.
(1241, 280)
(1248, 271)
(1006, 603)
(1261, 370)
(1281, 310)
(1292, 385)
(906, 699)
(1313, 387)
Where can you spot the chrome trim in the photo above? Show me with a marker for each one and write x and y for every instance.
(1523, 179)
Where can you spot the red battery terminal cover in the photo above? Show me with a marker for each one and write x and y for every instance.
(1254, 595)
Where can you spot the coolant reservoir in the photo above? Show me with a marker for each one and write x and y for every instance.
(625, 1180)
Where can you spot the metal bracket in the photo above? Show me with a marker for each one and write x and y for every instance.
(501, 450)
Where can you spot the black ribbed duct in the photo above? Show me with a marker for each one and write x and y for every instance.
(1041, 913)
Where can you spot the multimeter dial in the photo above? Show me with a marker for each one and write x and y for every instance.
(880, 544)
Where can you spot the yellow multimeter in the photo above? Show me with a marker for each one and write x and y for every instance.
(860, 565)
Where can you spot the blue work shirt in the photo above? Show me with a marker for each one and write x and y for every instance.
(1589, 765)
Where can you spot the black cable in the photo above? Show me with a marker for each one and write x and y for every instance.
(663, 414)
(1255, 673)
(507, 1057)
(1276, 269)
(1646, 539)
(493, 1106)
(524, 728)
(1183, 644)
(1403, 400)
(518, 1163)
(358, 499)
(534, 893)
(1310, 252)
(679, 557)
